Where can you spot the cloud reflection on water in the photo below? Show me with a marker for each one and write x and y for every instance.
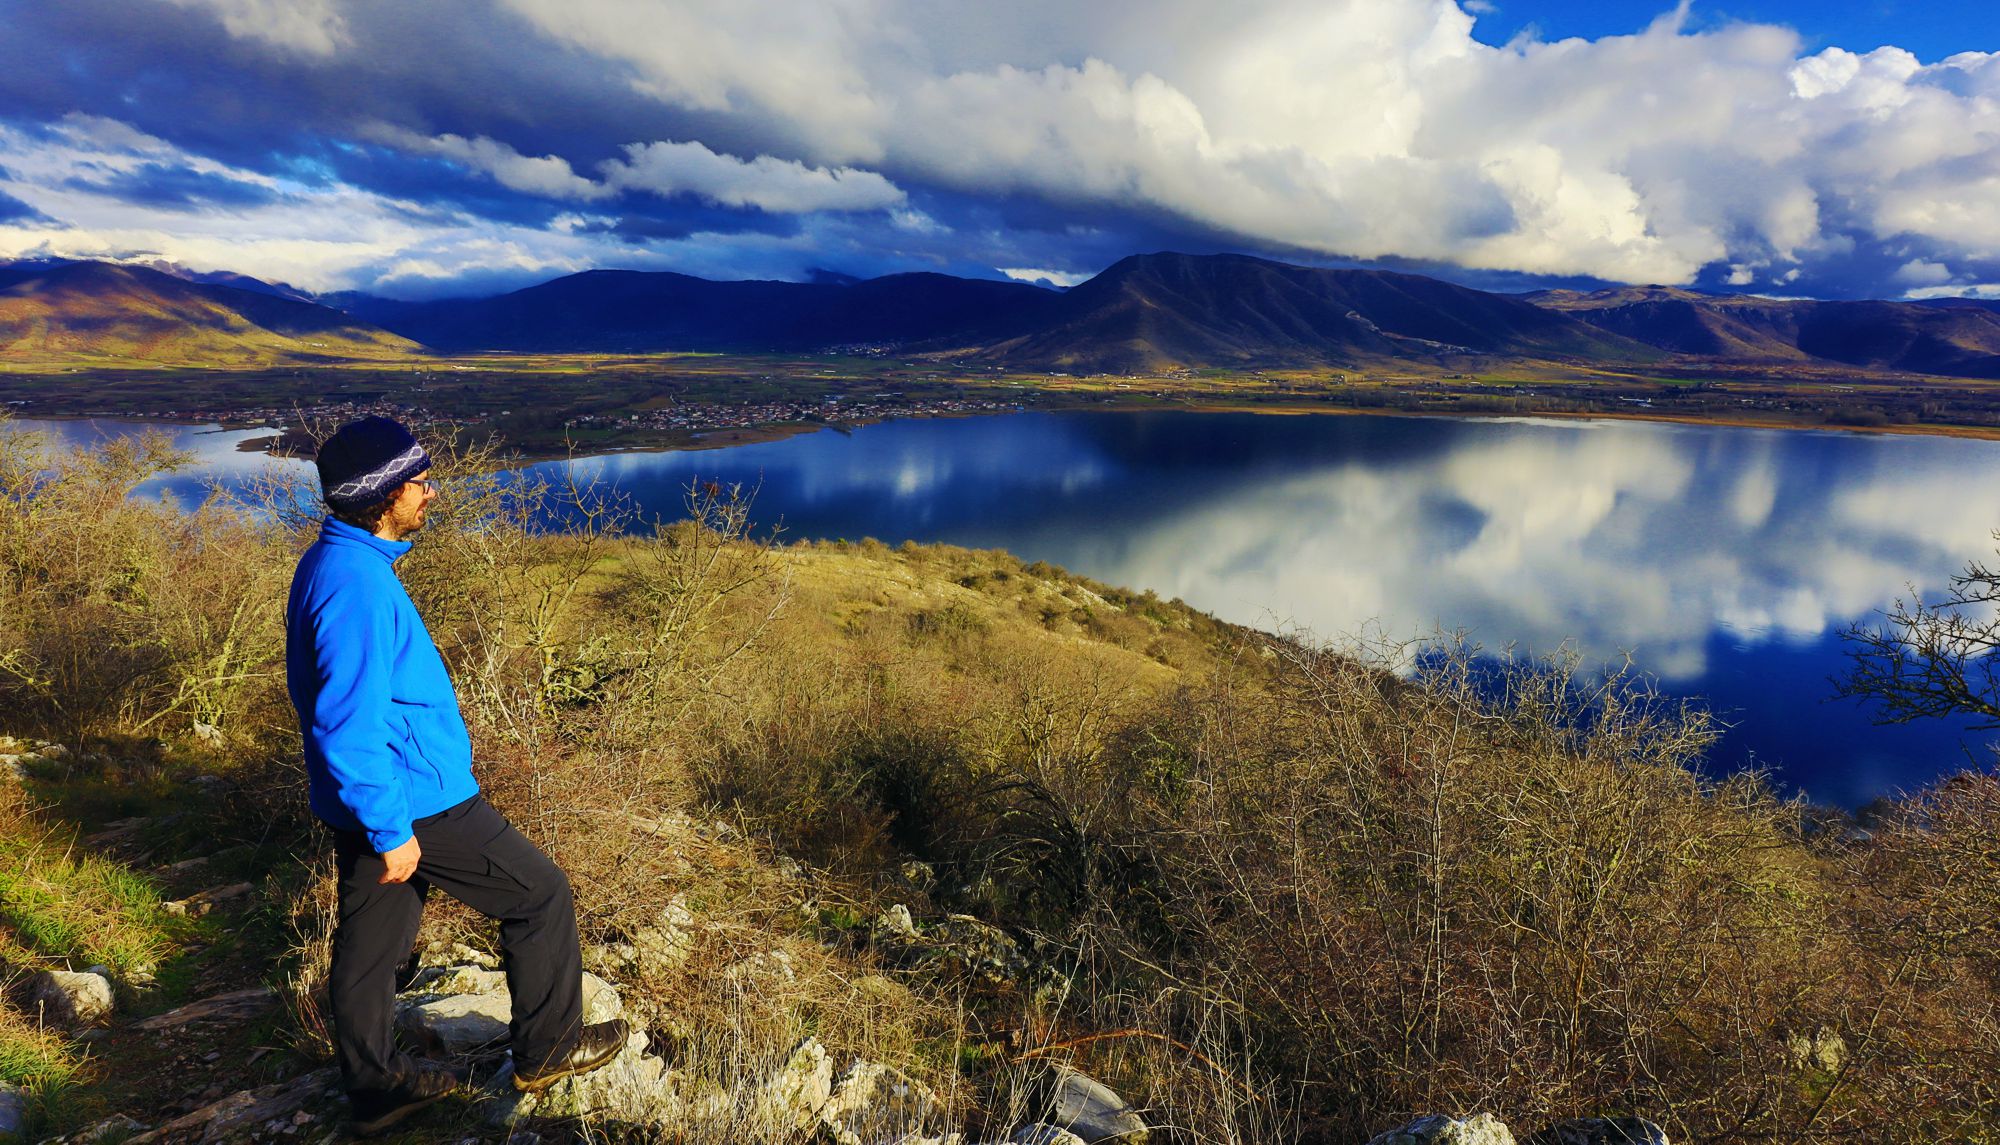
(1617, 536)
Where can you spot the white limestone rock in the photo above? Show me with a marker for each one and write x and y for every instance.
(793, 1096)
(873, 1102)
(458, 1023)
(476, 1019)
(896, 923)
(667, 945)
(1438, 1129)
(67, 998)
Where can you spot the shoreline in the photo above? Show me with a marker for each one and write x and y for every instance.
(730, 437)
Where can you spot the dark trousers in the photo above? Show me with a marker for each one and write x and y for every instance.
(474, 855)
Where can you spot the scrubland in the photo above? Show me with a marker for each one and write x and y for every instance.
(1269, 887)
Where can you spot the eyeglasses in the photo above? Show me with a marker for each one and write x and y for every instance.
(429, 486)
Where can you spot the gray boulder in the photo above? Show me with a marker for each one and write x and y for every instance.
(1437, 1129)
(873, 1102)
(1602, 1131)
(458, 1023)
(13, 1112)
(1090, 1110)
(66, 998)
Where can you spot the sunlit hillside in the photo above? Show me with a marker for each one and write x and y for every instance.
(83, 315)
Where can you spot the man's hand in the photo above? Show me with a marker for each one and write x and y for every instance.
(401, 862)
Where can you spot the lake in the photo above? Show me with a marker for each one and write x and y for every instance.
(1724, 560)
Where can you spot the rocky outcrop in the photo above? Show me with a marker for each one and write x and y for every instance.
(264, 1111)
(66, 998)
(1090, 1110)
(635, 1088)
(794, 1096)
(1438, 1129)
(17, 755)
(650, 952)
(235, 1006)
(873, 1102)
(466, 1009)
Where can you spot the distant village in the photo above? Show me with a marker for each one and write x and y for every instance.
(679, 417)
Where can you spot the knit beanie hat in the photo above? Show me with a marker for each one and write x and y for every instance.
(367, 460)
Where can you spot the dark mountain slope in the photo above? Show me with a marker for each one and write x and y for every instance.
(1957, 340)
(1161, 310)
(609, 311)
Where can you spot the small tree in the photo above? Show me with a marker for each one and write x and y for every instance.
(1933, 658)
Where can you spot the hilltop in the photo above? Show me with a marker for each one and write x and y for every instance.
(1960, 338)
(84, 314)
(1160, 311)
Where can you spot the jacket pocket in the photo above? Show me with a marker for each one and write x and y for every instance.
(413, 742)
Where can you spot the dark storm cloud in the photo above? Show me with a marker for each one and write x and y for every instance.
(680, 220)
(172, 187)
(13, 210)
(470, 68)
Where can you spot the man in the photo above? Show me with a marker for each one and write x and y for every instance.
(389, 766)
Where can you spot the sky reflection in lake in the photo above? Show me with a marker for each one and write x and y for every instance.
(1725, 560)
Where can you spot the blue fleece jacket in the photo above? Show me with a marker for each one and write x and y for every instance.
(384, 740)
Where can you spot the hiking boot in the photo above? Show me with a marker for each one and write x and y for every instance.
(595, 1044)
(374, 1110)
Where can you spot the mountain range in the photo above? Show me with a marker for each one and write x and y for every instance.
(1147, 313)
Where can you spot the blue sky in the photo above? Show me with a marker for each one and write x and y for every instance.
(1930, 30)
(424, 150)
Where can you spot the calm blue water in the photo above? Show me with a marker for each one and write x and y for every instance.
(1725, 561)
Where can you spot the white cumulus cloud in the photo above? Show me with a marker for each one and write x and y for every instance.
(782, 186)
(308, 27)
